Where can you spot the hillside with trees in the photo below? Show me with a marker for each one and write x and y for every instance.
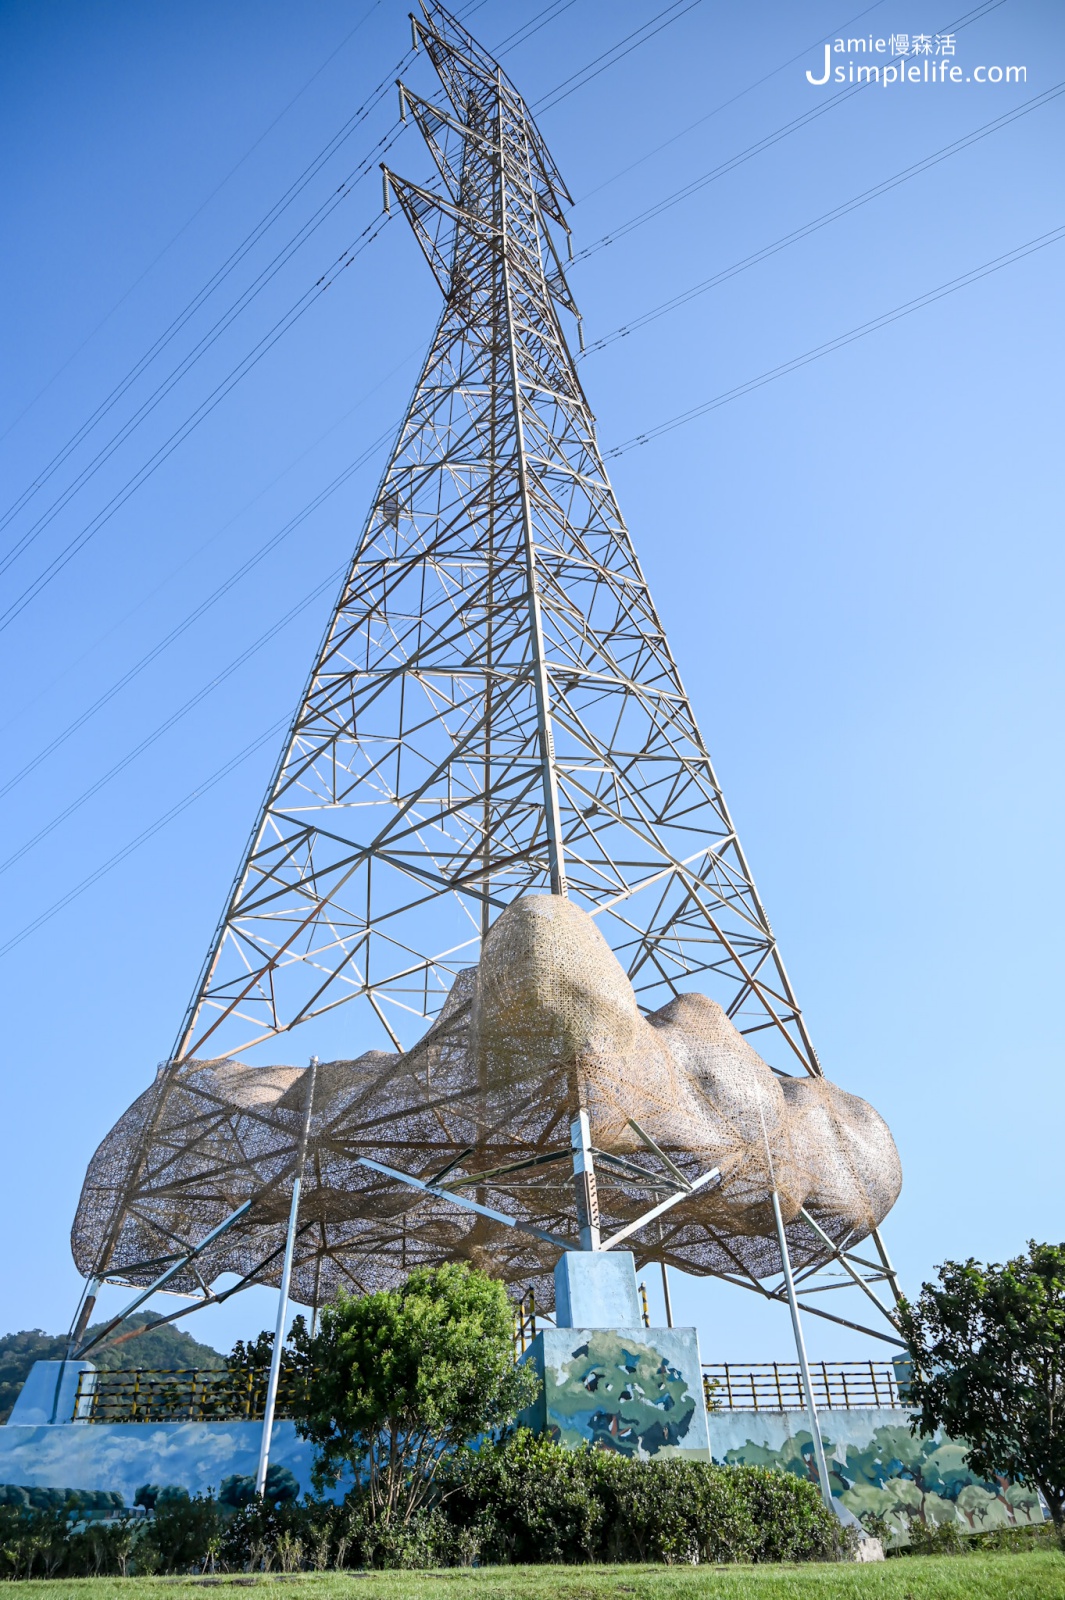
(167, 1348)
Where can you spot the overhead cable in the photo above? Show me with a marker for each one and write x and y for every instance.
(285, 109)
(650, 213)
(723, 105)
(518, 37)
(834, 215)
(549, 14)
(254, 356)
(153, 828)
(865, 328)
(196, 613)
(193, 356)
(600, 63)
(175, 717)
(540, 20)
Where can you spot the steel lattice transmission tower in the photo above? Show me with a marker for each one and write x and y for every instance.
(495, 708)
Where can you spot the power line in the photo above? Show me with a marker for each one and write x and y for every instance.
(196, 613)
(120, 621)
(615, 52)
(191, 219)
(167, 448)
(519, 36)
(187, 362)
(175, 717)
(834, 215)
(650, 213)
(842, 339)
(134, 844)
(549, 14)
(724, 104)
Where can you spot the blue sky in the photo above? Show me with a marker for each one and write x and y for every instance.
(859, 562)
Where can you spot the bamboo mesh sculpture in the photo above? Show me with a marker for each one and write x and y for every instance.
(547, 1023)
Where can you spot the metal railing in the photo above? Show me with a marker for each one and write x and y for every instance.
(524, 1322)
(777, 1385)
(216, 1394)
(198, 1394)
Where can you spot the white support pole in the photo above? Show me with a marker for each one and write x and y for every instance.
(804, 1366)
(81, 1322)
(286, 1279)
(665, 1295)
(659, 1209)
(665, 1278)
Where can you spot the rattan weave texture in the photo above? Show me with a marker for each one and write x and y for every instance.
(547, 1023)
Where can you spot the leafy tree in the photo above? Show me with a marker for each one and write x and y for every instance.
(398, 1380)
(253, 1356)
(989, 1354)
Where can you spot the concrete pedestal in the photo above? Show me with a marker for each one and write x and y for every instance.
(596, 1289)
(49, 1394)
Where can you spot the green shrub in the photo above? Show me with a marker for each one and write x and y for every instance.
(182, 1536)
(54, 1543)
(676, 1511)
(523, 1500)
(529, 1500)
(33, 1544)
(102, 1549)
(792, 1522)
(428, 1539)
(526, 1500)
(261, 1536)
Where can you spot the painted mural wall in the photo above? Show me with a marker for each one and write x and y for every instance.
(638, 1391)
(120, 1457)
(877, 1466)
(629, 1394)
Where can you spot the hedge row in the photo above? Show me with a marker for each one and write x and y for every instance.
(530, 1500)
(526, 1500)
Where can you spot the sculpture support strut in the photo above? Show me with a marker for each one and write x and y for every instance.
(286, 1279)
(804, 1366)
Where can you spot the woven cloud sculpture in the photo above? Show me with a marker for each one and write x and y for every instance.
(546, 1023)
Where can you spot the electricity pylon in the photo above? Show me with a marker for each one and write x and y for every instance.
(494, 709)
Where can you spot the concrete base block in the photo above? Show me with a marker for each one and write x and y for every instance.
(596, 1289)
(635, 1390)
(49, 1394)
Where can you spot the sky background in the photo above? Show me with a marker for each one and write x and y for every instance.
(858, 563)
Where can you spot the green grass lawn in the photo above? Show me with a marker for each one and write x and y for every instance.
(1039, 1575)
